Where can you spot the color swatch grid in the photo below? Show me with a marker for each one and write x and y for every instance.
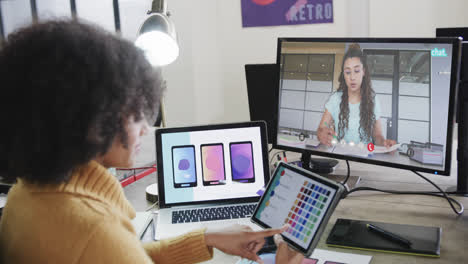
(307, 211)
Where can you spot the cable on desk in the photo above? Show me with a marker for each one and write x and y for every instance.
(348, 174)
(440, 194)
(275, 155)
(436, 194)
(137, 168)
(270, 149)
(346, 191)
(443, 194)
(151, 206)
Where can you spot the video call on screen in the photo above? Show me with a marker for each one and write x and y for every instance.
(411, 87)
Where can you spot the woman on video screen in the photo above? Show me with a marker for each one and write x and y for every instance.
(352, 113)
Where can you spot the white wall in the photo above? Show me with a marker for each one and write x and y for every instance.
(100, 12)
(53, 8)
(415, 18)
(15, 14)
(214, 50)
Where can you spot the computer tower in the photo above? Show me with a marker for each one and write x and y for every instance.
(461, 108)
(262, 89)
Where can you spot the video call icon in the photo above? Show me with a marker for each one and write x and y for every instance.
(370, 147)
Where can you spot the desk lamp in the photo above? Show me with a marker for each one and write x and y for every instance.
(157, 36)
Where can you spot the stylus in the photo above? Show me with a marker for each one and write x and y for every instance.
(388, 235)
(330, 127)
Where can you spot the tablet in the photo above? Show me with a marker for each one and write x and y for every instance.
(302, 199)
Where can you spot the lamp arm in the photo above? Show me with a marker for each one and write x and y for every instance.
(158, 6)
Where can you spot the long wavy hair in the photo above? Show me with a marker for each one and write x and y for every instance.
(367, 116)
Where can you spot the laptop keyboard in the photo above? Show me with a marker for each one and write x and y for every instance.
(212, 214)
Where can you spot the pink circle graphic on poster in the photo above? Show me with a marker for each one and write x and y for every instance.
(263, 2)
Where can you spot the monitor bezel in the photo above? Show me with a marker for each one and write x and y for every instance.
(455, 68)
(160, 168)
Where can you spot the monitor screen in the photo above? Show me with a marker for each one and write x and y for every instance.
(381, 101)
(214, 162)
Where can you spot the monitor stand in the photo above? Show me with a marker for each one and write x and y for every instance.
(324, 167)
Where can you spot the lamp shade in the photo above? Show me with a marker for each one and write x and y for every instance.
(158, 39)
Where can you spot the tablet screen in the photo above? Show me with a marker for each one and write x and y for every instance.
(297, 198)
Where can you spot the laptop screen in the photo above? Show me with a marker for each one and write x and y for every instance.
(215, 163)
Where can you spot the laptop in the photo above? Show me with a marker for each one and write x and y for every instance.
(210, 175)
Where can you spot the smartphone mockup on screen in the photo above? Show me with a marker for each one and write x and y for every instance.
(183, 166)
(213, 170)
(242, 165)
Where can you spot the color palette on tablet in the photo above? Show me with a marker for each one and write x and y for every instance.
(298, 201)
(307, 210)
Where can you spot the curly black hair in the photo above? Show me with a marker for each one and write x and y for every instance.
(367, 116)
(67, 90)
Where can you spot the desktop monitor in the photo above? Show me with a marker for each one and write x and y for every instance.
(461, 109)
(262, 88)
(381, 101)
(458, 32)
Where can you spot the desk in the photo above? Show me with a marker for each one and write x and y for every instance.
(403, 209)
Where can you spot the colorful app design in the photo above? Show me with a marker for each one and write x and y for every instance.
(302, 208)
(307, 211)
(242, 165)
(183, 166)
(213, 168)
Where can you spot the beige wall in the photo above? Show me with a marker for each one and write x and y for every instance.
(214, 50)
(415, 18)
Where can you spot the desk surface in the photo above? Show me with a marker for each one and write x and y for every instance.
(372, 206)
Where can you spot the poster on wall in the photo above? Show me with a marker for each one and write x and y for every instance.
(259, 13)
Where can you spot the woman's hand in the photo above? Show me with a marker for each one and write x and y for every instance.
(285, 254)
(325, 135)
(326, 131)
(389, 142)
(240, 240)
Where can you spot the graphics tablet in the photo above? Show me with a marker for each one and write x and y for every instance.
(302, 199)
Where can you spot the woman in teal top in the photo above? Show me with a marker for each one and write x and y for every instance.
(353, 113)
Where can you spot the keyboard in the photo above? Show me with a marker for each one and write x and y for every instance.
(213, 213)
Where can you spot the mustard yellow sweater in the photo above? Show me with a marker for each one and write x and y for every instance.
(86, 220)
